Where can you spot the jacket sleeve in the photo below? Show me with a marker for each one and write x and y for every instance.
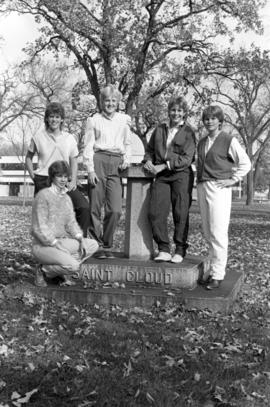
(180, 161)
(150, 149)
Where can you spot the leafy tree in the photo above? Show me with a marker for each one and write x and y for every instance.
(31, 87)
(57, 82)
(241, 83)
(130, 43)
(262, 177)
(14, 100)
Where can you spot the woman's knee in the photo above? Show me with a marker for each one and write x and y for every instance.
(91, 245)
(72, 266)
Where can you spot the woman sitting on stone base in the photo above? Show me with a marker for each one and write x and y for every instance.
(58, 243)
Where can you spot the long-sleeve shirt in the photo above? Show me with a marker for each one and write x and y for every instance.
(110, 134)
(53, 217)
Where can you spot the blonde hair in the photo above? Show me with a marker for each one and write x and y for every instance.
(109, 90)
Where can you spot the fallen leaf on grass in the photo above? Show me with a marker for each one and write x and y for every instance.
(2, 384)
(138, 392)
(170, 361)
(128, 369)
(18, 399)
(150, 399)
(87, 404)
(80, 368)
(31, 366)
(233, 348)
(267, 374)
(15, 395)
(197, 377)
(5, 351)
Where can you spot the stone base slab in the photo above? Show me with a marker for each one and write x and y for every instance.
(218, 300)
(141, 273)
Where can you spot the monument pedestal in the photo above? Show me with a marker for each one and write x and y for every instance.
(220, 300)
(138, 243)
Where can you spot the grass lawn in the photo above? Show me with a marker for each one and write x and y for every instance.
(60, 355)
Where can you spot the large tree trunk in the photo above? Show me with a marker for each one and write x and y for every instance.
(250, 187)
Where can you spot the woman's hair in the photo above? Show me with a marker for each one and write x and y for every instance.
(178, 101)
(58, 168)
(54, 108)
(213, 111)
(109, 90)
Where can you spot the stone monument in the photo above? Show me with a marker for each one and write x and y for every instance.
(135, 267)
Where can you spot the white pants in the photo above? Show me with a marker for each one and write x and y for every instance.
(57, 262)
(215, 209)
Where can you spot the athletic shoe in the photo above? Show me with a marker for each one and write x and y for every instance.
(109, 255)
(39, 277)
(177, 258)
(213, 284)
(101, 254)
(163, 256)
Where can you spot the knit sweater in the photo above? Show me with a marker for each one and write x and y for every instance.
(53, 217)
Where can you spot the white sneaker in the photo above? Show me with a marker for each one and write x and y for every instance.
(177, 258)
(163, 256)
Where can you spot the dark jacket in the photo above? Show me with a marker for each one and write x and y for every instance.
(181, 152)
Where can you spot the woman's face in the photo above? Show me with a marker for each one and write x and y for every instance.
(54, 121)
(212, 124)
(176, 115)
(60, 181)
(110, 104)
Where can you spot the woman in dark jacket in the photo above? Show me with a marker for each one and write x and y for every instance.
(169, 155)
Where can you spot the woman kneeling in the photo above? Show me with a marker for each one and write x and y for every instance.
(58, 243)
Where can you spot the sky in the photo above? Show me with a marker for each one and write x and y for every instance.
(17, 30)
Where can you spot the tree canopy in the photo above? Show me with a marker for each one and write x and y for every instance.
(134, 44)
(240, 82)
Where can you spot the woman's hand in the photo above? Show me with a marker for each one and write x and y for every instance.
(82, 247)
(159, 168)
(225, 183)
(72, 185)
(123, 165)
(92, 178)
(149, 166)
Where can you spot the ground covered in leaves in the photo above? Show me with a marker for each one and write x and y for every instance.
(54, 354)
